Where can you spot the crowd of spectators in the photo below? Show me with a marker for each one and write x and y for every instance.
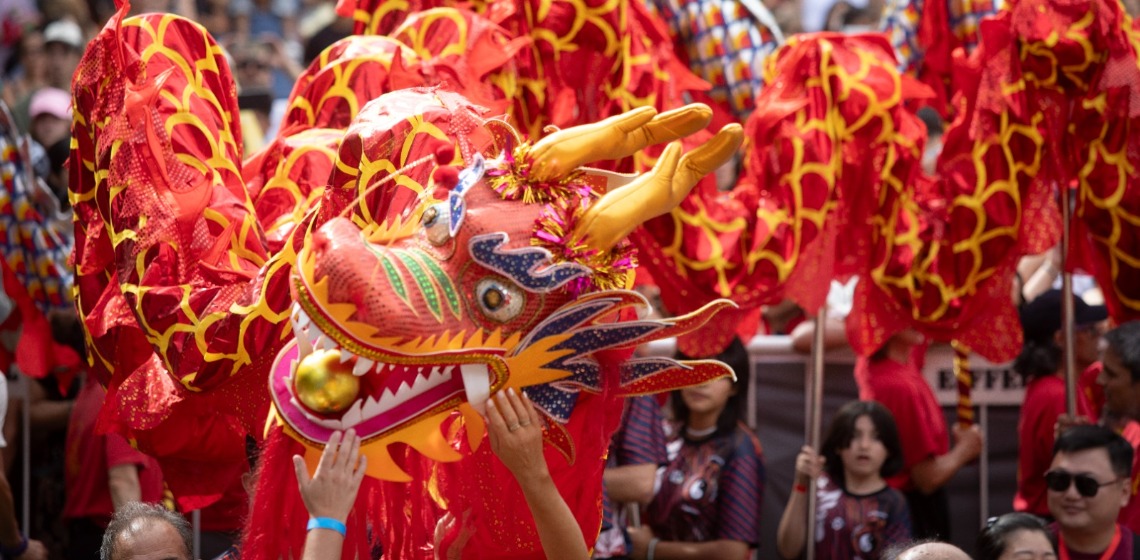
(686, 474)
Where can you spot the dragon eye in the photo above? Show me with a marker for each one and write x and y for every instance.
(498, 300)
(434, 221)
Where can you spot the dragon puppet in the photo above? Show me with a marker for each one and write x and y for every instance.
(430, 256)
(833, 185)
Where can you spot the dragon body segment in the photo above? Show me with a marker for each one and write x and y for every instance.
(833, 185)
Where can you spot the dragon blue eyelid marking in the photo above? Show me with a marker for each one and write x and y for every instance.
(529, 267)
(458, 205)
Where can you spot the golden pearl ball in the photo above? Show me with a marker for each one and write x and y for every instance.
(325, 385)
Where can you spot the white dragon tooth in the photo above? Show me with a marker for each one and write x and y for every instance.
(353, 415)
(387, 400)
(403, 390)
(345, 356)
(438, 377)
(300, 316)
(477, 384)
(363, 366)
(304, 343)
(323, 342)
(371, 408)
(422, 384)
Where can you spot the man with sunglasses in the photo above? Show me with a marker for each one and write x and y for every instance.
(1088, 484)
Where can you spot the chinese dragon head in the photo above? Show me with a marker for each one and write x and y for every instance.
(451, 259)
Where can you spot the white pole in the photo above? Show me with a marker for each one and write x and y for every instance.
(815, 418)
(196, 523)
(1067, 309)
(984, 465)
(26, 444)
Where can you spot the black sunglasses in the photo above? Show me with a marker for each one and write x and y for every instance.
(1087, 486)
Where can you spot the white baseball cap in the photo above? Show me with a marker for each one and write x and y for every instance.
(65, 31)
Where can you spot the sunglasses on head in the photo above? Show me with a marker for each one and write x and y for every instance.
(1087, 486)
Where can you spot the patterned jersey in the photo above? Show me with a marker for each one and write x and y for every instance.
(850, 526)
(711, 489)
(725, 42)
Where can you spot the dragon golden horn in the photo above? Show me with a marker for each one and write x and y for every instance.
(614, 138)
(656, 192)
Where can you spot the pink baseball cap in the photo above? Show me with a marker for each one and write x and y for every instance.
(50, 101)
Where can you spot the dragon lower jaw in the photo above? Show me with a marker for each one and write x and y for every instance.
(395, 389)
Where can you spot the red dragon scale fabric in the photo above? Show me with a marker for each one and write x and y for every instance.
(834, 154)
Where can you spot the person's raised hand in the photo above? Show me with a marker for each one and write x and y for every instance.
(639, 538)
(36, 551)
(447, 524)
(1066, 421)
(331, 491)
(968, 439)
(516, 434)
(808, 465)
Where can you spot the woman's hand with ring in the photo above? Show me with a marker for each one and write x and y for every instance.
(516, 435)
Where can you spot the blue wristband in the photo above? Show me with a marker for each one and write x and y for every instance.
(327, 523)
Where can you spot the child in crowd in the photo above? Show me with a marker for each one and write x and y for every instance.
(705, 502)
(858, 514)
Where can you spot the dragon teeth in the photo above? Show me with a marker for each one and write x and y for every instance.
(422, 383)
(325, 343)
(403, 389)
(354, 414)
(345, 356)
(371, 408)
(387, 400)
(363, 366)
(477, 384)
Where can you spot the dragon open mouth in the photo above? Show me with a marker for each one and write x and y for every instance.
(394, 389)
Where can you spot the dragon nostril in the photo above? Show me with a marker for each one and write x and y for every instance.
(430, 216)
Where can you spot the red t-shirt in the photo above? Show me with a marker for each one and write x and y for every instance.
(90, 457)
(902, 389)
(227, 514)
(1090, 394)
(1044, 402)
(1125, 549)
(1129, 515)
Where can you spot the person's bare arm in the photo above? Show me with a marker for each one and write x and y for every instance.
(516, 439)
(123, 481)
(10, 536)
(642, 539)
(935, 472)
(834, 335)
(791, 536)
(47, 414)
(331, 492)
(1039, 273)
(630, 483)
(676, 550)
